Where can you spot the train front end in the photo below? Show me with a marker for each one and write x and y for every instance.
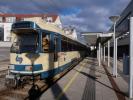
(24, 52)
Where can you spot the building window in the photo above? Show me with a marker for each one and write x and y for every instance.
(10, 19)
(49, 19)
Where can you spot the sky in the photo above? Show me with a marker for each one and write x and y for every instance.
(84, 15)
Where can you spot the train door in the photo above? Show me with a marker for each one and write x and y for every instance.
(57, 47)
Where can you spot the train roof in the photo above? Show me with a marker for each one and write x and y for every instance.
(49, 27)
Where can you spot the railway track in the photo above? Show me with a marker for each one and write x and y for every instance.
(3, 72)
(30, 91)
(3, 67)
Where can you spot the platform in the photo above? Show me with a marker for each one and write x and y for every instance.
(88, 81)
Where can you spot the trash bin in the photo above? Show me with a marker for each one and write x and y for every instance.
(126, 64)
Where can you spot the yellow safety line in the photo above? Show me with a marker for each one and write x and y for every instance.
(68, 84)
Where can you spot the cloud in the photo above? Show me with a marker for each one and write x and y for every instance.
(84, 15)
(94, 15)
(4, 9)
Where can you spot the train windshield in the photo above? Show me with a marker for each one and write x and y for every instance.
(25, 43)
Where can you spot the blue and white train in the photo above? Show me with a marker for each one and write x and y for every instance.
(42, 50)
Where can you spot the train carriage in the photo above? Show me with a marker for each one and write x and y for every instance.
(38, 51)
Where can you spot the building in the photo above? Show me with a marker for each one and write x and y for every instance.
(70, 31)
(123, 25)
(6, 21)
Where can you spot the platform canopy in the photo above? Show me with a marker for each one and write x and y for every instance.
(92, 38)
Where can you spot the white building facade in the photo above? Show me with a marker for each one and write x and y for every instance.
(71, 31)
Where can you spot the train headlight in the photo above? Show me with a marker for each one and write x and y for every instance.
(28, 68)
(11, 67)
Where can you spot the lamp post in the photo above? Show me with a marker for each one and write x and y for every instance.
(114, 19)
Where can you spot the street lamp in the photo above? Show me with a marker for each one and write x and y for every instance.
(114, 19)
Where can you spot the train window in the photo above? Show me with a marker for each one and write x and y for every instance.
(45, 42)
(74, 47)
(55, 49)
(70, 46)
(22, 44)
(64, 46)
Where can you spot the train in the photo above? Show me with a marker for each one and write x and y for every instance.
(40, 49)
